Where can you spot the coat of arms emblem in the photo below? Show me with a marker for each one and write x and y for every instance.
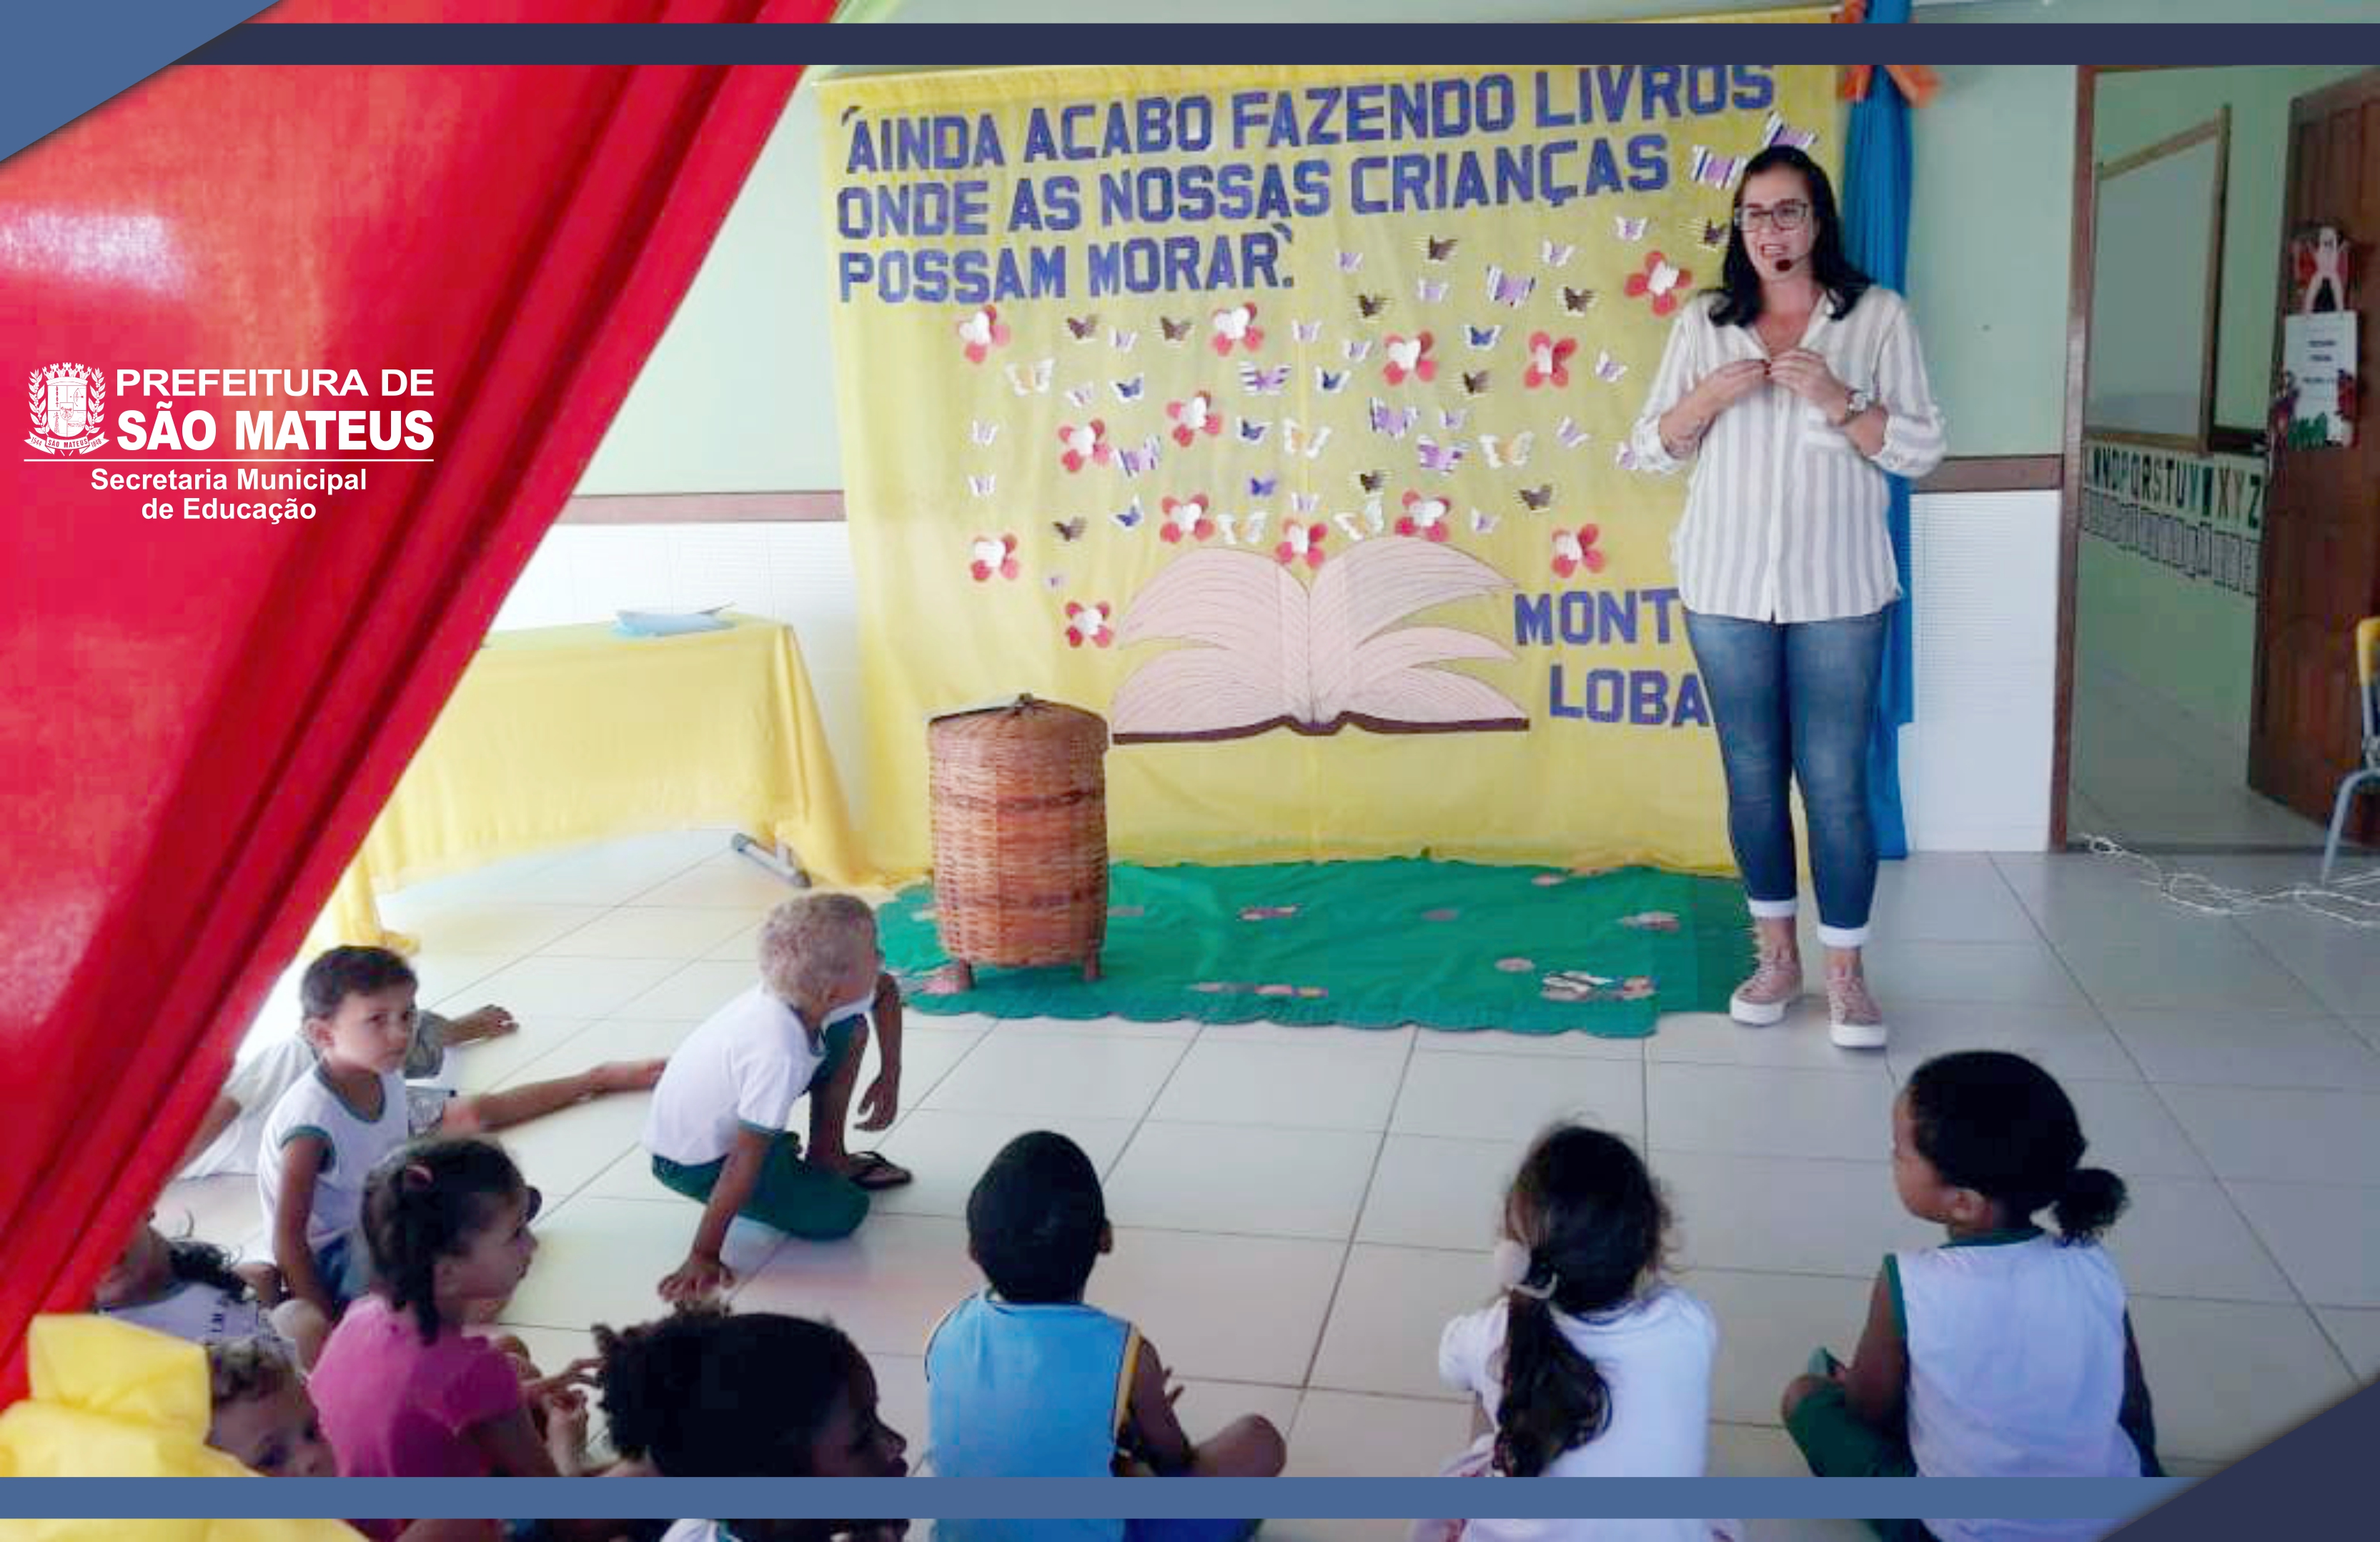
(66, 402)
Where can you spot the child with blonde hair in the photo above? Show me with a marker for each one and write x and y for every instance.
(717, 1130)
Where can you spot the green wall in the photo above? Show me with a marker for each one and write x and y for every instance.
(2136, 110)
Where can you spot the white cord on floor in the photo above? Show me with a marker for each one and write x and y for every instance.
(2198, 893)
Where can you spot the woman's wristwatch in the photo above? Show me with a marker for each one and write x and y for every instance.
(1860, 402)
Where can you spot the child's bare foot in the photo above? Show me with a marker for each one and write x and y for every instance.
(489, 1022)
(628, 1075)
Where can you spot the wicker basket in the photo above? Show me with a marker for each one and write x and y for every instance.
(1020, 835)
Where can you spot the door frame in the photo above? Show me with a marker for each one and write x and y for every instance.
(2080, 253)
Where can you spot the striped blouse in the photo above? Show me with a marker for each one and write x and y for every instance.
(1784, 515)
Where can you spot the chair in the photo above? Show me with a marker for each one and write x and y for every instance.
(2367, 692)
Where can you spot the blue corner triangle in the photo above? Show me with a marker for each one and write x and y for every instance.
(59, 61)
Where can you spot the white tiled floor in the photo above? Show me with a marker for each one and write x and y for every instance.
(2147, 774)
(1300, 1210)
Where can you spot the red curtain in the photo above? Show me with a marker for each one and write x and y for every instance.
(200, 720)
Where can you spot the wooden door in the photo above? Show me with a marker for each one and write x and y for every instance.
(2322, 522)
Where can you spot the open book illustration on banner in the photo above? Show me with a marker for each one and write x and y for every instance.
(1271, 652)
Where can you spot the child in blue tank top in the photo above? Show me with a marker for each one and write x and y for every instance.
(1026, 1380)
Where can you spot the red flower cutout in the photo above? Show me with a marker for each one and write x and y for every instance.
(1192, 416)
(1185, 519)
(1661, 280)
(1575, 550)
(1425, 515)
(983, 332)
(993, 554)
(1086, 444)
(1408, 357)
(1087, 623)
(1549, 360)
(1301, 542)
(1237, 323)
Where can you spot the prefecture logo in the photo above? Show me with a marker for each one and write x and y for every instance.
(66, 401)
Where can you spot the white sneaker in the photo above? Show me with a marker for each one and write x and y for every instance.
(1854, 1021)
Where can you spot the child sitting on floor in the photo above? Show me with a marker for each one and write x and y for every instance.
(230, 1133)
(1589, 1366)
(717, 1132)
(404, 1389)
(332, 1126)
(2005, 1353)
(187, 1288)
(1024, 1380)
(703, 1394)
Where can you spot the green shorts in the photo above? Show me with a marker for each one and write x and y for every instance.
(1838, 1443)
(790, 1195)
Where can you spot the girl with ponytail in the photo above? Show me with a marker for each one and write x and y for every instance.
(2006, 1351)
(404, 1389)
(1588, 1364)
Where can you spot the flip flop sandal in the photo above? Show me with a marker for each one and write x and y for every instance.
(876, 1171)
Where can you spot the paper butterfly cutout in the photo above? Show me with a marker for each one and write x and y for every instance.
(1252, 430)
(1440, 458)
(1174, 332)
(1350, 261)
(1557, 254)
(1033, 381)
(1629, 229)
(1129, 516)
(1129, 390)
(1371, 481)
(981, 486)
(1608, 368)
(1396, 422)
(1714, 170)
(1080, 395)
(1263, 487)
(1297, 439)
(1305, 503)
(1430, 291)
(1140, 462)
(1070, 530)
(1481, 337)
(983, 432)
(1577, 302)
(1370, 306)
(1512, 289)
(1357, 349)
(1777, 132)
(1306, 332)
(1083, 329)
(1570, 434)
(1499, 453)
(1329, 379)
(1474, 384)
(1536, 500)
(1122, 341)
(1483, 523)
(1263, 383)
(1436, 248)
(1452, 417)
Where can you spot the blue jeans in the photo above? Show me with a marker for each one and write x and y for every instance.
(1795, 701)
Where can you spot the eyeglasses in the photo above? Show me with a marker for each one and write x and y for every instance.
(1786, 216)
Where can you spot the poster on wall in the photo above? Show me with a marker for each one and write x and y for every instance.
(2317, 401)
(1280, 414)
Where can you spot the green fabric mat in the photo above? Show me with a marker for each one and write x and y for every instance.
(1371, 944)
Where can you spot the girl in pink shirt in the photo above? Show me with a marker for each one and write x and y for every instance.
(404, 1390)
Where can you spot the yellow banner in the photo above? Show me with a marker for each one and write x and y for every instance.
(1278, 414)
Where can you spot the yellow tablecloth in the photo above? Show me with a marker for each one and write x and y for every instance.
(564, 735)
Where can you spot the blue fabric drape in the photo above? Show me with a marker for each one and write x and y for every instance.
(1875, 238)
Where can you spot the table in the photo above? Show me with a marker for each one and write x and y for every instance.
(563, 734)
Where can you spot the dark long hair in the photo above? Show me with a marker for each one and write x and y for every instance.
(1585, 1208)
(1739, 283)
(202, 1263)
(2000, 1124)
(706, 1394)
(422, 1203)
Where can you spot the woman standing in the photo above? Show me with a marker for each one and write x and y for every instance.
(1794, 387)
